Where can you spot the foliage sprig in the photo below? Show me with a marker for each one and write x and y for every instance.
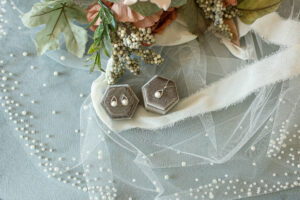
(102, 40)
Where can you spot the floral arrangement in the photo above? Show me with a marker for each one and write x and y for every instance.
(125, 30)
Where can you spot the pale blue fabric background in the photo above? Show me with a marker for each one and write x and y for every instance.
(20, 179)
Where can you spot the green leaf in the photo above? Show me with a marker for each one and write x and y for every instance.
(253, 9)
(178, 3)
(93, 48)
(94, 20)
(57, 17)
(145, 8)
(193, 17)
(99, 32)
(114, 1)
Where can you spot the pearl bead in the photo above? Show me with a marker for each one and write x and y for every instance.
(124, 102)
(4, 78)
(113, 103)
(157, 94)
(62, 58)
(55, 73)
(25, 53)
(252, 148)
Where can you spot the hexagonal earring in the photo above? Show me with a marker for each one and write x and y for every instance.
(119, 102)
(160, 95)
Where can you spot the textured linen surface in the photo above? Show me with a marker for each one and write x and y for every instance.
(76, 151)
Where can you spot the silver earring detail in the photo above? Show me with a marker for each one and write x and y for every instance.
(124, 100)
(114, 102)
(159, 93)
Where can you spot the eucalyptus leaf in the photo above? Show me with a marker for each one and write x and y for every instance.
(57, 17)
(178, 3)
(114, 1)
(193, 17)
(145, 8)
(253, 9)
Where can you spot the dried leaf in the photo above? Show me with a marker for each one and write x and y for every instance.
(194, 18)
(254, 9)
(233, 29)
(178, 3)
(145, 8)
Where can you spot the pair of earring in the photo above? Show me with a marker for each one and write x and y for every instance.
(114, 101)
(159, 94)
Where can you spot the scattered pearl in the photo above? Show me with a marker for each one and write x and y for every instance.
(62, 58)
(183, 164)
(166, 177)
(252, 148)
(54, 112)
(25, 53)
(55, 73)
(4, 78)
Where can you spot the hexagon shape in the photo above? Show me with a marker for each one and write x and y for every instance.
(167, 99)
(118, 110)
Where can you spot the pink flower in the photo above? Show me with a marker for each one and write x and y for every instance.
(158, 21)
(123, 13)
(230, 2)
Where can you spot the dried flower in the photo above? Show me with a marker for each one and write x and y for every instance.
(230, 2)
(166, 18)
(123, 13)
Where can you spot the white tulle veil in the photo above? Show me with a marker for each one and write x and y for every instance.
(236, 150)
